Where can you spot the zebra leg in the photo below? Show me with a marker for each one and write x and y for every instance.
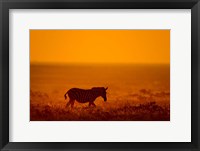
(72, 103)
(93, 104)
(90, 103)
(68, 104)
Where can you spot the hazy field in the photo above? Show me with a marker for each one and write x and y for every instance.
(135, 92)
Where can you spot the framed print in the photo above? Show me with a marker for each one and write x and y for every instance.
(96, 75)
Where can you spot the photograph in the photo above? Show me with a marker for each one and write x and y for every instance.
(99, 75)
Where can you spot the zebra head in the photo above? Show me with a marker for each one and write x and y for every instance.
(104, 94)
(101, 91)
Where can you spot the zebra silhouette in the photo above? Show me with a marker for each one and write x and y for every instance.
(85, 95)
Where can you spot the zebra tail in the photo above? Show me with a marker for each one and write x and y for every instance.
(65, 95)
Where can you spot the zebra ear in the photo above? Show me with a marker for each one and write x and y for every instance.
(106, 88)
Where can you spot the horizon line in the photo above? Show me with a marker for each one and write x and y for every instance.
(80, 63)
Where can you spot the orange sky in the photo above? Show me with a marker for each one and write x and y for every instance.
(100, 46)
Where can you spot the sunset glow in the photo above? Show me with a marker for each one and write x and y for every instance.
(100, 46)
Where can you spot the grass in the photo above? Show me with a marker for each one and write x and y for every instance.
(124, 111)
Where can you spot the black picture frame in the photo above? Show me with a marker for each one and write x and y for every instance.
(5, 5)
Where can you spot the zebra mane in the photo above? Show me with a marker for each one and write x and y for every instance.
(93, 88)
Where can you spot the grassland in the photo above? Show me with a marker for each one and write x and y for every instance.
(145, 106)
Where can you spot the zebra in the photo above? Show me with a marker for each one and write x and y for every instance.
(85, 95)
